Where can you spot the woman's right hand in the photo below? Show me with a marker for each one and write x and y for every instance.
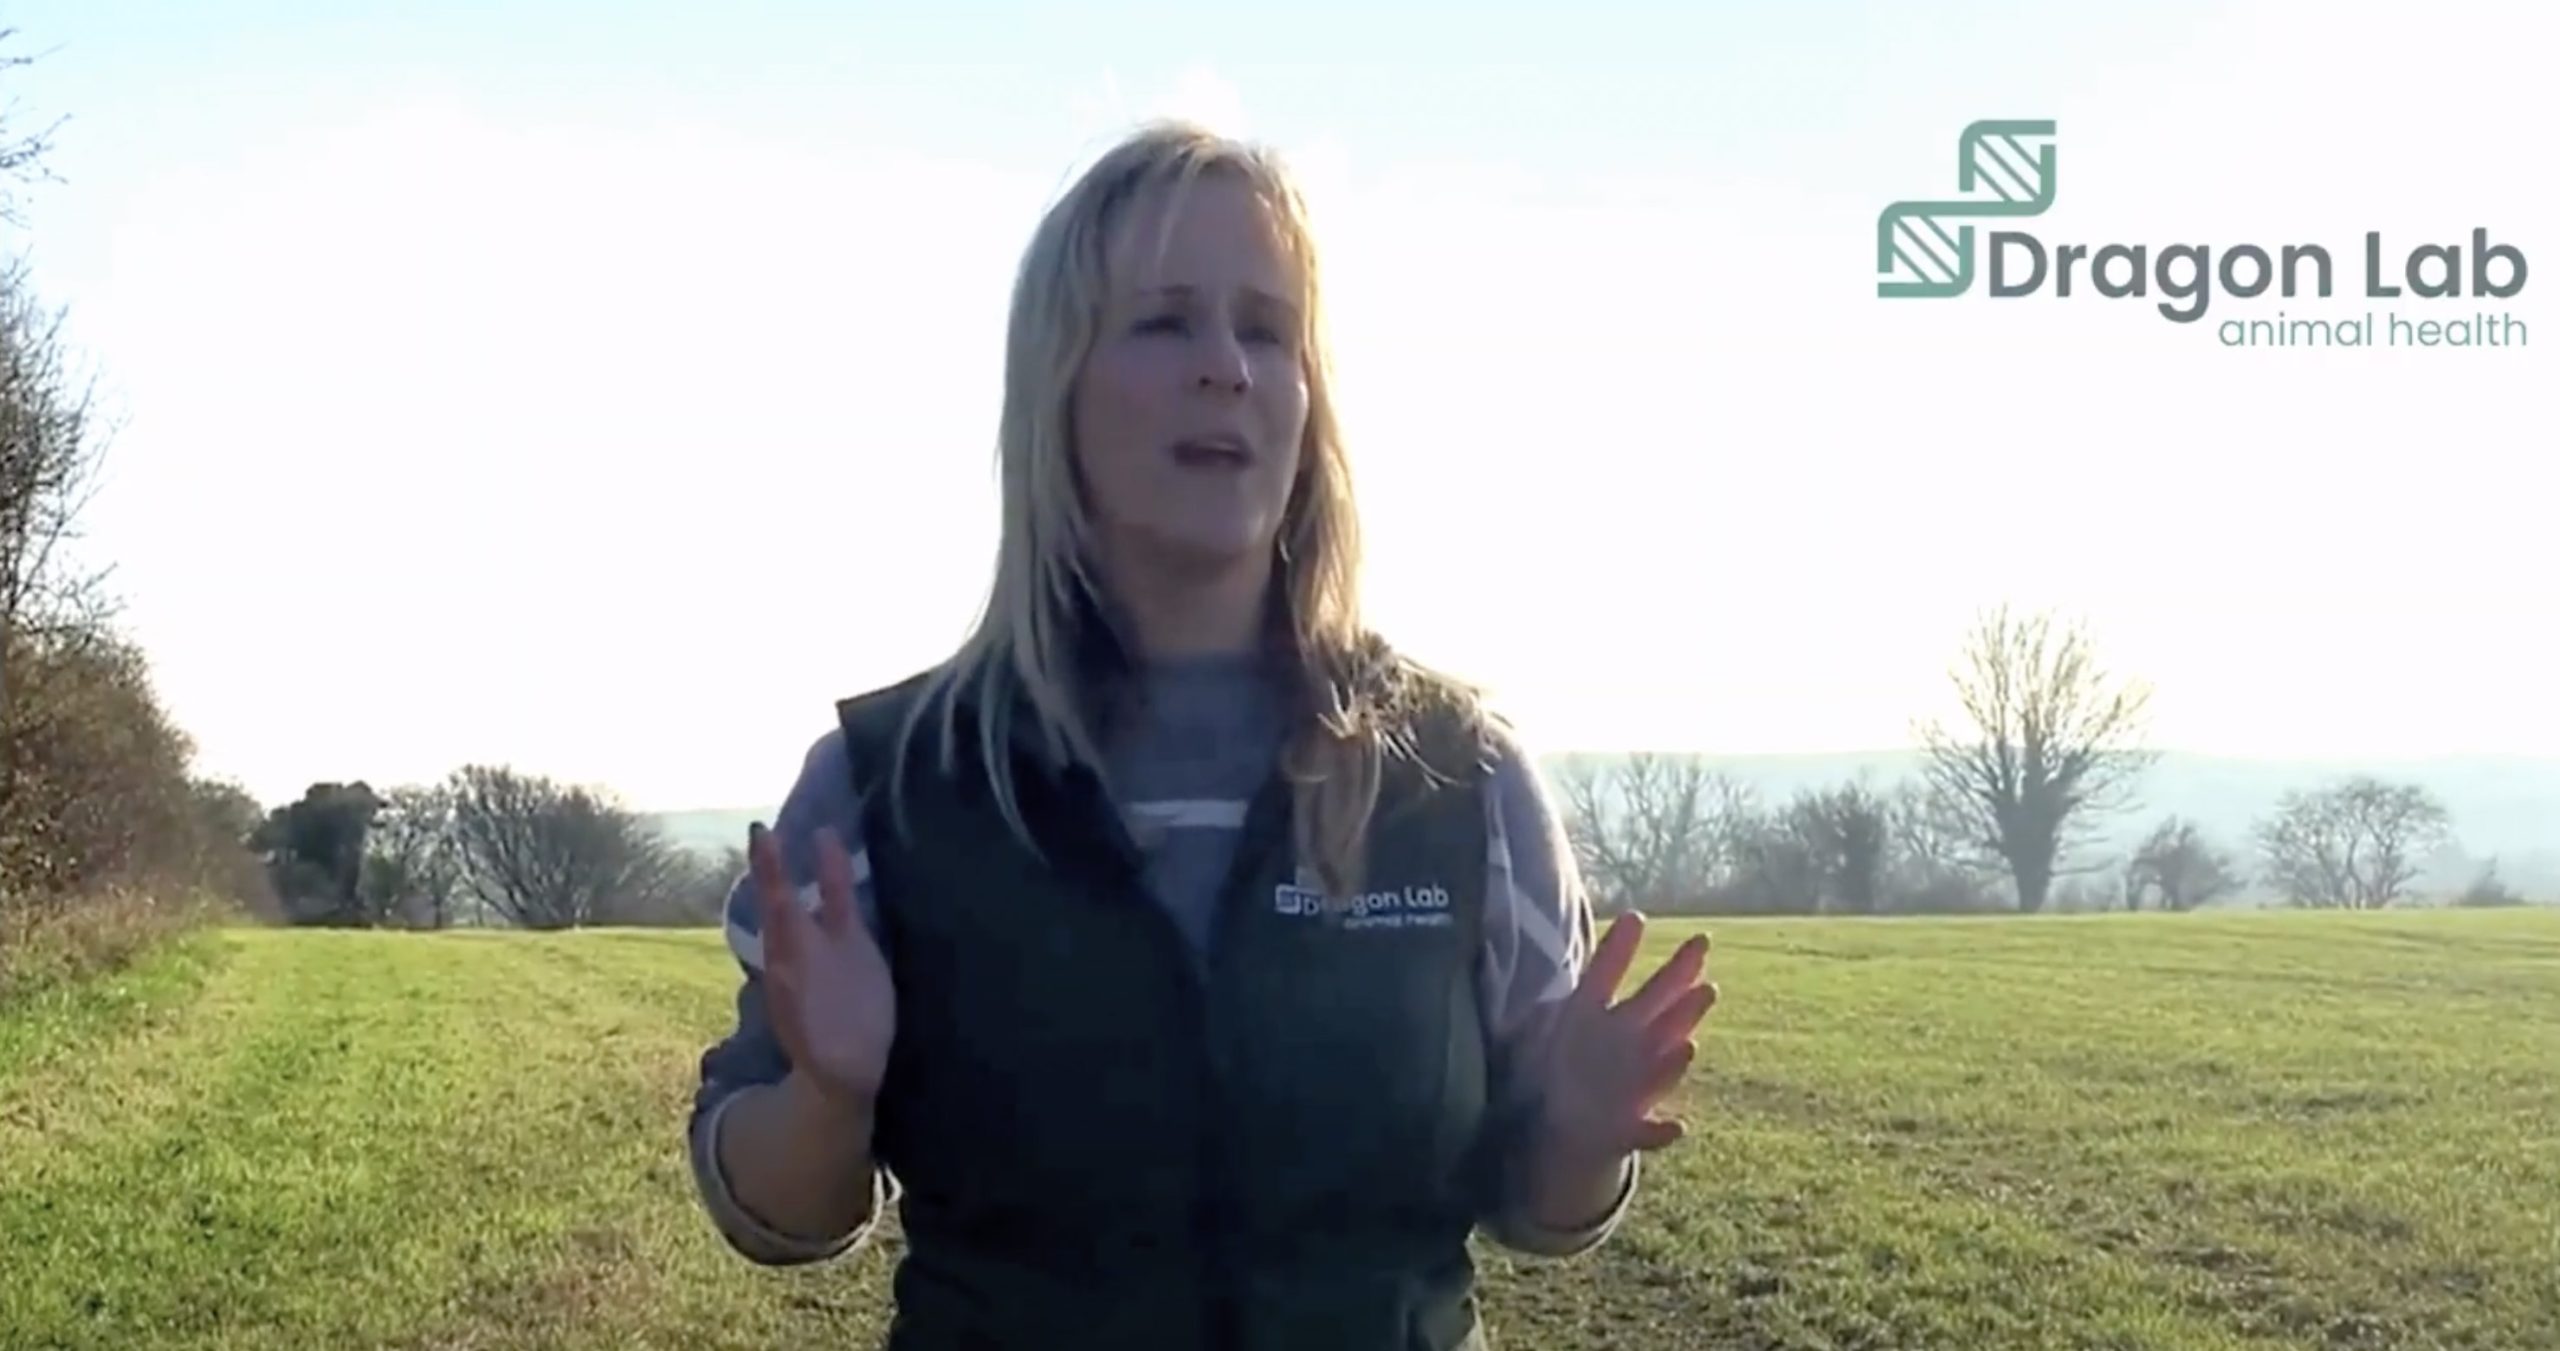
(826, 983)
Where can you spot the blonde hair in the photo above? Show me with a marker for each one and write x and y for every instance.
(1022, 656)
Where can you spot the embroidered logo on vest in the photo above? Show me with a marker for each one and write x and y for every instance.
(1424, 906)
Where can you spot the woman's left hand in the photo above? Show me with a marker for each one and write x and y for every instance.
(1609, 1066)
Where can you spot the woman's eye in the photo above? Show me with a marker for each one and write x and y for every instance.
(1161, 323)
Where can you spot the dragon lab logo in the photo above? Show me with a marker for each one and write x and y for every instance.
(1924, 249)
(1929, 249)
(1424, 906)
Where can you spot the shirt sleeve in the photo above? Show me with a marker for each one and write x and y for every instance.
(750, 1055)
(1538, 935)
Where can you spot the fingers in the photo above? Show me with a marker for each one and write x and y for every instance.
(835, 883)
(764, 861)
(1665, 1074)
(1609, 963)
(1650, 1049)
(1670, 982)
(1658, 1133)
(1651, 1132)
(1678, 1022)
(777, 909)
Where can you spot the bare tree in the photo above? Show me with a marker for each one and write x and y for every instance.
(1672, 836)
(1847, 833)
(2051, 745)
(1934, 864)
(49, 457)
(2487, 889)
(1649, 831)
(50, 450)
(544, 855)
(2177, 868)
(22, 153)
(699, 894)
(97, 789)
(49, 443)
(412, 870)
(222, 819)
(2356, 845)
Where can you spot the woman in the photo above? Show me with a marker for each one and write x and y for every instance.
(1204, 971)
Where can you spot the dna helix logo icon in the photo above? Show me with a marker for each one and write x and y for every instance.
(1918, 256)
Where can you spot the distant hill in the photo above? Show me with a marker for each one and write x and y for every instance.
(711, 829)
(2506, 807)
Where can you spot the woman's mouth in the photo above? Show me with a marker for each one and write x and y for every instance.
(1212, 452)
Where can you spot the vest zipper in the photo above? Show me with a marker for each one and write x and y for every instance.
(1214, 1218)
(1264, 831)
(1128, 882)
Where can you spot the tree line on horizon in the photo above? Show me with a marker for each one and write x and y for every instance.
(2003, 816)
(488, 845)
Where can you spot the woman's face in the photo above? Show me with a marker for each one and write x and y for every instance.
(1191, 408)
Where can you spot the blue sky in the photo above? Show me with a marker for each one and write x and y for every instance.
(494, 387)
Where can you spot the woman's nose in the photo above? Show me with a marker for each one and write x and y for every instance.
(1223, 366)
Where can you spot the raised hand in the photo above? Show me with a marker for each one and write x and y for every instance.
(826, 984)
(1607, 1067)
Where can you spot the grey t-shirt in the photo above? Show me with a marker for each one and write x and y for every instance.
(1203, 740)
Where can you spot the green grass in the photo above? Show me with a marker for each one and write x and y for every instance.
(2109, 1132)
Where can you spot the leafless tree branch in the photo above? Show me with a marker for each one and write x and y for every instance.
(2356, 845)
(2049, 744)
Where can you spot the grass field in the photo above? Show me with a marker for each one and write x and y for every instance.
(2110, 1132)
